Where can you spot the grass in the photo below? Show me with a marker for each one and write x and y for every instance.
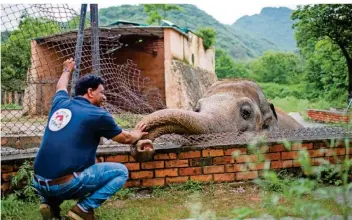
(11, 107)
(189, 200)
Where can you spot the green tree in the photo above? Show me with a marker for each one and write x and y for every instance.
(226, 67)
(325, 63)
(154, 10)
(278, 67)
(16, 52)
(209, 36)
(318, 22)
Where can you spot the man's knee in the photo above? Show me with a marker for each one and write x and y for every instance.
(122, 169)
(125, 171)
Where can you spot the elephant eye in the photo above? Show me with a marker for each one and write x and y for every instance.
(197, 109)
(246, 111)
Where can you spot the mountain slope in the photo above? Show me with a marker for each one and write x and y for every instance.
(273, 24)
(240, 45)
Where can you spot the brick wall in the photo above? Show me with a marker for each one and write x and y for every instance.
(206, 164)
(329, 116)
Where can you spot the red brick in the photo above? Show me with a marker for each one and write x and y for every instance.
(190, 171)
(180, 179)
(141, 174)
(225, 177)
(277, 148)
(336, 159)
(168, 156)
(202, 178)
(131, 159)
(132, 183)
(239, 150)
(287, 163)
(316, 153)
(231, 168)
(296, 163)
(318, 145)
(223, 160)
(189, 154)
(153, 182)
(276, 164)
(335, 151)
(307, 146)
(264, 149)
(212, 152)
(152, 165)
(176, 163)
(5, 168)
(296, 146)
(272, 156)
(166, 172)
(256, 166)
(213, 169)
(289, 155)
(246, 175)
(132, 166)
(8, 176)
(246, 158)
(117, 158)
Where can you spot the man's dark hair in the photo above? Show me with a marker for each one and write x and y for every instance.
(86, 82)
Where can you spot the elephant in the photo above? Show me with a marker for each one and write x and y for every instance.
(237, 105)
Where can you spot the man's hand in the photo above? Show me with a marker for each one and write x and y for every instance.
(139, 130)
(68, 67)
(132, 137)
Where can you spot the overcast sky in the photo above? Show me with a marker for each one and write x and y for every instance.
(225, 11)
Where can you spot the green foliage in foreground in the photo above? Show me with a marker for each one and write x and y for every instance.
(315, 192)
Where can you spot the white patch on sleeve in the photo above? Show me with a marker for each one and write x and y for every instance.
(60, 119)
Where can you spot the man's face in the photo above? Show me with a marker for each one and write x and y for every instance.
(97, 96)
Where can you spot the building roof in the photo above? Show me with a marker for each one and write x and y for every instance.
(121, 28)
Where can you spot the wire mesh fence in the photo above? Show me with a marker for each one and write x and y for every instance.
(37, 38)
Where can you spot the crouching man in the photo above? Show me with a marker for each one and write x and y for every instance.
(65, 164)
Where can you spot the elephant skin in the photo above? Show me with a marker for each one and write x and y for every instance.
(227, 106)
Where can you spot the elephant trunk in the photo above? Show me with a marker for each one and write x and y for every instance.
(169, 121)
(177, 121)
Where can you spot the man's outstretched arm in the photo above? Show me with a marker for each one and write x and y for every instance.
(68, 67)
(132, 137)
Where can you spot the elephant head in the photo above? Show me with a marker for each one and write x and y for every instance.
(227, 106)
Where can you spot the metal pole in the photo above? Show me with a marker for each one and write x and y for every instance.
(94, 23)
(79, 44)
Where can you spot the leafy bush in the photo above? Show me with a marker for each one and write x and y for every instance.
(275, 90)
(289, 196)
(23, 179)
(209, 36)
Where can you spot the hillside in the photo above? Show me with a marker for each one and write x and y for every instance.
(273, 24)
(239, 44)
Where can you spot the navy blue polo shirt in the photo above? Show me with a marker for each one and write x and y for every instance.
(72, 135)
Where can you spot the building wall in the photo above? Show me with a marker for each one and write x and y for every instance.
(189, 69)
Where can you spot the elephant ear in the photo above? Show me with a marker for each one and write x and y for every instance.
(272, 107)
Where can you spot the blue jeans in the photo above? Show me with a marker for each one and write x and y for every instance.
(92, 187)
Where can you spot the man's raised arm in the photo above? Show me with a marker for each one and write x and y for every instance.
(68, 67)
